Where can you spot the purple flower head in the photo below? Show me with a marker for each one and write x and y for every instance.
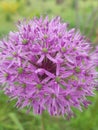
(47, 67)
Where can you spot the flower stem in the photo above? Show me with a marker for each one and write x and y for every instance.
(42, 121)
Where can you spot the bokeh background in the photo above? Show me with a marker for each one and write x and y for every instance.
(81, 14)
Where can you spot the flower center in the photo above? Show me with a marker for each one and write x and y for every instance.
(77, 69)
(14, 54)
(25, 41)
(39, 86)
(63, 49)
(49, 66)
(57, 79)
(6, 75)
(45, 36)
(53, 95)
(20, 70)
(24, 85)
(45, 50)
(68, 97)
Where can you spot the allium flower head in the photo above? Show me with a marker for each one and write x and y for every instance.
(45, 66)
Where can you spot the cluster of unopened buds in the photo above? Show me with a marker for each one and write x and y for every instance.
(45, 66)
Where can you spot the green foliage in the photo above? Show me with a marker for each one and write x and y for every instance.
(14, 119)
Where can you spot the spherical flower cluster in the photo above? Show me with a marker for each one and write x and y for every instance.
(45, 66)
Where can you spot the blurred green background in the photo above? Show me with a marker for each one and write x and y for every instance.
(82, 14)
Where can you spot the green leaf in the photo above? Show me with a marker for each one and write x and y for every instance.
(16, 121)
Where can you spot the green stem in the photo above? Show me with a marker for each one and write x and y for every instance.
(42, 121)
